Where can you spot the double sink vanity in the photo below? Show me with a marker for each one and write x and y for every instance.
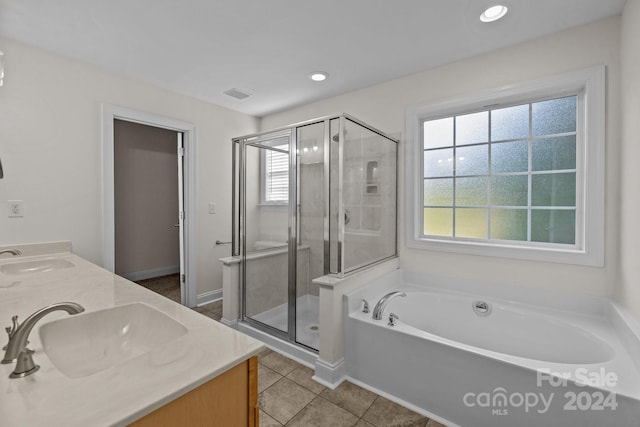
(110, 352)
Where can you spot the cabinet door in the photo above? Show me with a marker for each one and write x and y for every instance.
(231, 399)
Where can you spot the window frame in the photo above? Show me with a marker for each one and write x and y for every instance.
(589, 86)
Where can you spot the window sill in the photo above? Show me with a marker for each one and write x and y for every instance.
(274, 205)
(564, 255)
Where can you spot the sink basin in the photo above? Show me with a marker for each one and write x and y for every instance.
(38, 266)
(87, 343)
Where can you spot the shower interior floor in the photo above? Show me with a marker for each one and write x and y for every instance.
(307, 317)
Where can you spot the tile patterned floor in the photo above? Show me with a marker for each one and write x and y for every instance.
(288, 397)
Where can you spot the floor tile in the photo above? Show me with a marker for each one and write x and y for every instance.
(350, 397)
(302, 376)
(279, 363)
(266, 377)
(284, 399)
(267, 351)
(322, 413)
(385, 413)
(267, 421)
(363, 423)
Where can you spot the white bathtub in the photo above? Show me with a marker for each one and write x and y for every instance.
(537, 358)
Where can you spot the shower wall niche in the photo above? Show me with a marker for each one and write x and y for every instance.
(313, 199)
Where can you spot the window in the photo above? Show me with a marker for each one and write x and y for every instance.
(274, 172)
(516, 173)
(276, 175)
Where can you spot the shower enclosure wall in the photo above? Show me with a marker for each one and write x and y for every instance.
(314, 199)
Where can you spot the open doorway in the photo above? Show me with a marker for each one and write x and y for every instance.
(142, 262)
(147, 208)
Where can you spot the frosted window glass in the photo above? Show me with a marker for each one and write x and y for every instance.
(472, 223)
(438, 163)
(472, 160)
(438, 133)
(554, 116)
(509, 190)
(553, 226)
(509, 224)
(510, 123)
(510, 157)
(471, 191)
(472, 128)
(554, 153)
(438, 222)
(554, 189)
(438, 192)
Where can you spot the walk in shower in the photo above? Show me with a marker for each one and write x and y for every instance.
(313, 199)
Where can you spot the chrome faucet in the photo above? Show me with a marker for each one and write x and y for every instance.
(14, 252)
(16, 350)
(380, 306)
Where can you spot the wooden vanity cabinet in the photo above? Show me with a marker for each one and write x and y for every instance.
(229, 400)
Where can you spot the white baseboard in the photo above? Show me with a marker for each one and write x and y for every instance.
(208, 297)
(330, 376)
(148, 274)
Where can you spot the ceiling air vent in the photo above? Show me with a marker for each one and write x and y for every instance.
(237, 93)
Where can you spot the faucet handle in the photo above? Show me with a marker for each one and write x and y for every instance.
(392, 319)
(365, 307)
(11, 330)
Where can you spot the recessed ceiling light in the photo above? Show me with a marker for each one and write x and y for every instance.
(494, 13)
(318, 76)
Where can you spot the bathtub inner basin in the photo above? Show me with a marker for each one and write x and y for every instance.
(506, 329)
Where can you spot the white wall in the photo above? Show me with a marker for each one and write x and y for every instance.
(629, 292)
(383, 106)
(50, 145)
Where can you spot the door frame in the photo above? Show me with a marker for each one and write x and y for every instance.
(113, 112)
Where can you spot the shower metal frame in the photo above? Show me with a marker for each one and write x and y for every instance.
(238, 221)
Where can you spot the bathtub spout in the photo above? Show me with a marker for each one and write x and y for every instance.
(380, 306)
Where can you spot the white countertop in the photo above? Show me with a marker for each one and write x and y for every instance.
(120, 394)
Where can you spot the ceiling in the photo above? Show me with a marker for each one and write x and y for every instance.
(202, 48)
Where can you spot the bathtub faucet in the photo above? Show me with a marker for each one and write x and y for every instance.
(380, 306)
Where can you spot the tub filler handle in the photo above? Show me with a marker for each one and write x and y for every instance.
(365, 306)
(392, 319)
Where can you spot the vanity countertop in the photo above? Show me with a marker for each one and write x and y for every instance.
(122, 393)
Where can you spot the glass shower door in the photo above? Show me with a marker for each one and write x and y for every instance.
(368, 166)
(265, 232)
(311, 215)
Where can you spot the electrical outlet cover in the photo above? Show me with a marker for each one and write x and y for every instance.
(15, 208)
